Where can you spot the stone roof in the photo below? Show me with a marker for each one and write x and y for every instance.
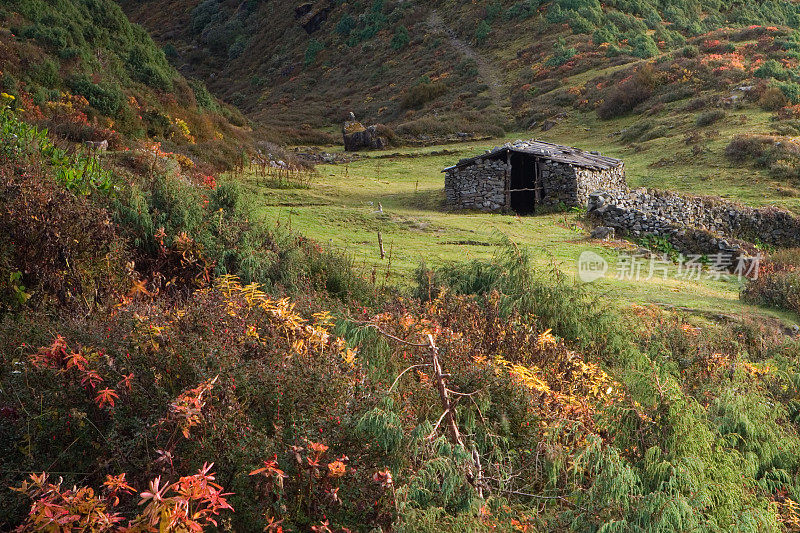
(549, 151)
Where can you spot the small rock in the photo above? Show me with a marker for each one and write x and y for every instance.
(603, 232)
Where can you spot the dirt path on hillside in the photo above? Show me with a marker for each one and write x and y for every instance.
(486, 70)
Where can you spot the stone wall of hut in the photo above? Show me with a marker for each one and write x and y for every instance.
(589, 181)
(480, 186)
(558, 183)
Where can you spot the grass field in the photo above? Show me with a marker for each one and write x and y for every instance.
(399, 193)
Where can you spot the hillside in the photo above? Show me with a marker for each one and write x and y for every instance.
(176, 397)
(430, 68)
(81, 69)
(201, 331)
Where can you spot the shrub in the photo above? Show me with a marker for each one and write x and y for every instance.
(313, 49)
(345, 25)
(205, 13)
(561, 54)
(148, 65)
(749, 147)
(772, 99)
(643, 46)
(709, 117)
(62, 245)
(580, 25)
(605, 34)
(202, 95)
(623, 98)
(400, 39)
(46, 74)
(634, 132)
(106, 97)
(791, 90)
(422, 93)
(522, 10)
(691, 51)
(779, 155)
(482, 32)
(170, 51)
(778, 282)
(771, 69)
(238, 47)
(468, 68)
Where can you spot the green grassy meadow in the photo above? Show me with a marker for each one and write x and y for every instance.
(340, 208)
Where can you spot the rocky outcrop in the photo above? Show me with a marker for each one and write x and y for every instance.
(311, 15)
(357, 137)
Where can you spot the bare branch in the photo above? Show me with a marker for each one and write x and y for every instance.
(404, 371)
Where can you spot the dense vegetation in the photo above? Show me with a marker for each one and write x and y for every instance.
(168, 362)
(83, 70)
(135, 355)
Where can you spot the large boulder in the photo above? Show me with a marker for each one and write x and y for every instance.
(359, 137)
(311, 15)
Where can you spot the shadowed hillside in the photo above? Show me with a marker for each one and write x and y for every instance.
(80, 68)
(431, 68)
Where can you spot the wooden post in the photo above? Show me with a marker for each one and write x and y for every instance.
(537, 184)
(508, 180)
(380, 245)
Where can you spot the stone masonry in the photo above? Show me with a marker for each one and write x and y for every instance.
(532, 171)
(693, 224)
(480, 186)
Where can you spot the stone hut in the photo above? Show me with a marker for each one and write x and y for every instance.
(526, 175)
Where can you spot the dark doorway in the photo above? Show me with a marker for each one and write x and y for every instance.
(523, 174)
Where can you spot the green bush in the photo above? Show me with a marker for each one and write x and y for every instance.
(204, 14)
(149, 66)
(46, 74)
(522, 10)
(346, 25)
(238, 47)
(106, 97)
(690, 51)
(313, 49)
(482, 32)
(561, 54)
(400, 39)
(580, 25)
(791, 90)
(643, 46)
(709, 117)
(604, 35)
(771, 69)
(203, 97)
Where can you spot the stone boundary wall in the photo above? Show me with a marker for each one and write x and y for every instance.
(612, 179)
(479, 186)
(694, 225)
